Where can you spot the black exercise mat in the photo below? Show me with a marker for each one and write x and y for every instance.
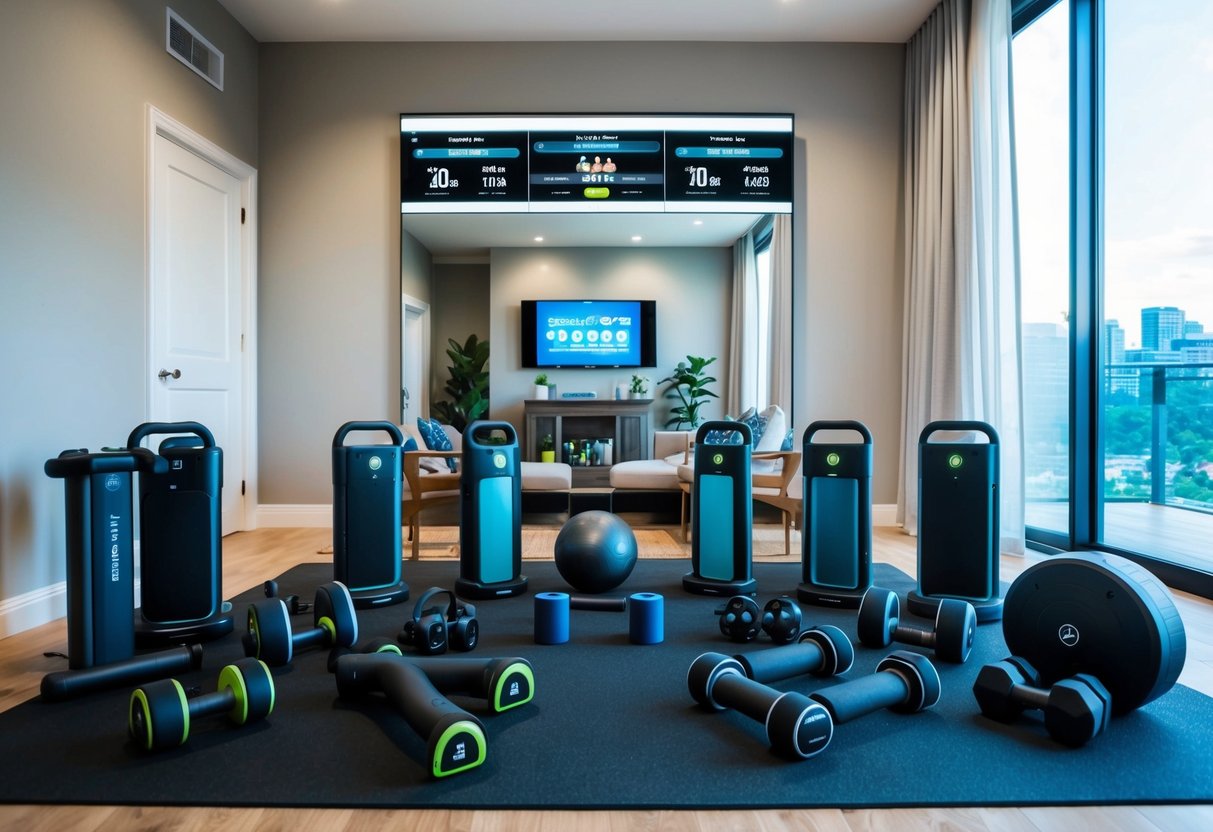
(611, 726)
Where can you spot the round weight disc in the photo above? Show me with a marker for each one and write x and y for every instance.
(955, 629)
(877, 609)
(1100, 614)
(258, 688)
(269, 625)
(333, 602)
(159, 715)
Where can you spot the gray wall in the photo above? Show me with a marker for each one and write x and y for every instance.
(460, 307)
(78, 77)
(691, 287)
(330, 274)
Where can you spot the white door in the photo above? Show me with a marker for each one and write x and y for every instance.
(414, 360)
(196, 308)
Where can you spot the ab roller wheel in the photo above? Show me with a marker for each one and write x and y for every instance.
(270, 637)
(160, 713)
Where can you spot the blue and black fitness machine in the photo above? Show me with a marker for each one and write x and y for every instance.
(722, 516)
(958, 528)
(181, 538)
(490, 528)
(836, 554)
(100, 584)
(367, 490)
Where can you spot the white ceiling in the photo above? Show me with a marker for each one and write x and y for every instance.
(860, 21)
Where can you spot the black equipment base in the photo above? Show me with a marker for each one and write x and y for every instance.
(153, 634)
(478, 591)
(925, 606)
(839, 599)
(381, 597)
(708, 586)
(652, 747)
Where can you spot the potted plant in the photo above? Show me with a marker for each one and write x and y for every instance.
(468, 386)
(689, 385)
(541, 386)
(639, 387)
(547, 449)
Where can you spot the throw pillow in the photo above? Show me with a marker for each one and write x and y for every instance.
(436, 439)
(410, 444)
(788, 440)
(774, 428)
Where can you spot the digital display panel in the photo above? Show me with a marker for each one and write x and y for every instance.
(577, 163)
(589, 333)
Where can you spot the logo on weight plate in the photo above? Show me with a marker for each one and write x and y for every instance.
(1068, 634)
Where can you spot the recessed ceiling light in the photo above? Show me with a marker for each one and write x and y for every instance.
(697, 222)
(636, 238)
(539, 239)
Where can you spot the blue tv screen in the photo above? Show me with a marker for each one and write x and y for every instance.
(589, 333)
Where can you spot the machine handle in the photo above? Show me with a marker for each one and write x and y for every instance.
(80, 463)
(747, 435)
(469, 433)
(979, 427)
(389, 428)
(152, 428)
(843, 424)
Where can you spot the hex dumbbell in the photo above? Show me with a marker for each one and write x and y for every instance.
(795, 725)
(880, 624)
(1075, 710)
(160, 714)
(269, 635)
(821, 651)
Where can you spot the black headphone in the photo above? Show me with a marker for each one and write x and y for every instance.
(434, 626)
(741, 619)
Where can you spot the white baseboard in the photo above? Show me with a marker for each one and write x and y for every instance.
(32, 609)
(884, 514)
(294, 516)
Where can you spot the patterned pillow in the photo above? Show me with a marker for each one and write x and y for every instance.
(436, 439)
(757, 422)
(722, 437)
(788, 440)
(410, 444)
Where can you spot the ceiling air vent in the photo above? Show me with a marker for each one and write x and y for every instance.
(186, 45)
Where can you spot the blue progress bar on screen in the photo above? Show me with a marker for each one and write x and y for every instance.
(466, 153)
(726, 152)
(593, 147)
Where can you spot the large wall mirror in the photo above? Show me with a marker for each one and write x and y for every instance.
(720, 278)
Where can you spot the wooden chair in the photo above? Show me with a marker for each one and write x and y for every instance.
(425, 491)
(772, 489)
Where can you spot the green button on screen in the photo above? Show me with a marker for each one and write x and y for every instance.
(597, 193)
(833, 458)
(955, 461)
(375, 463)
(717, 459)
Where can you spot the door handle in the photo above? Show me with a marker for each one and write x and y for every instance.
(166, 374)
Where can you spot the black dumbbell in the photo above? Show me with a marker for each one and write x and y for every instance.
(821, 650)
(904, 682)
(160, 714)
(455, 738)
(880, 624)
(741, 620)
(269, 635)
(795, 725)
(1075, 710)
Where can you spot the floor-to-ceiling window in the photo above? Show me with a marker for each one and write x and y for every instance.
(1133, 84)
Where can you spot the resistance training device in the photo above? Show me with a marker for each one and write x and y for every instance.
(367, 490)
(741, 620)
(646, 615)
(1098, 614)
(836, 553)
(1075, 709)
(437, 625)
(821, 651)
(958, 521)
(100, 588)
(181, 538)
(490, 528)
(269, 636)
(160, 714)
(722, 516)
(595, 551)
(951, 637)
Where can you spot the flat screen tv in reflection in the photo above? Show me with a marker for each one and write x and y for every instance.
(589, 333)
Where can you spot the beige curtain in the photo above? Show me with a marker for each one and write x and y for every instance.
(742, 390)
(781, 315)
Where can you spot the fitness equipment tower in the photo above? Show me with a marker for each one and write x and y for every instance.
(490, 527)
(722, 516)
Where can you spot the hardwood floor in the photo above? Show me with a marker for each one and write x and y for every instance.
(251, 557)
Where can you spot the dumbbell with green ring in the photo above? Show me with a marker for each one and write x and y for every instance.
(160, 714)
(269, 635)
(951, 638)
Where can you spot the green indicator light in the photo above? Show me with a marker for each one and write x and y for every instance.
(499, 460)
(955, 461)
(375, 463)
(833, 458)
(718, 459)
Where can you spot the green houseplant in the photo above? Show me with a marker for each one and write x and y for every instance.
(468, 386)
(638, 387)
(689, 386)
(547, 449)
(541, 386)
